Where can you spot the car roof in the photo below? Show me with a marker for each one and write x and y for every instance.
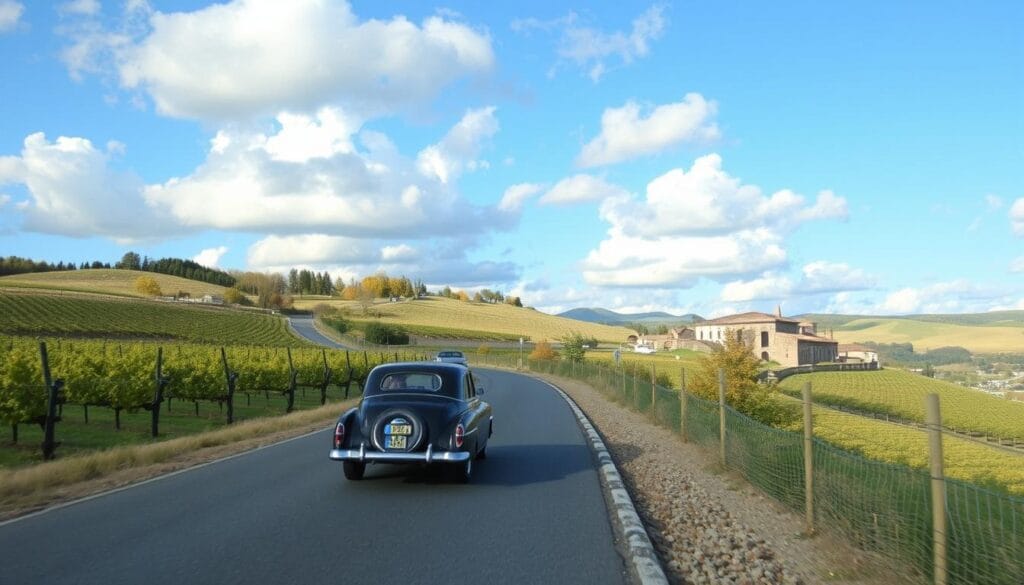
(452, 376)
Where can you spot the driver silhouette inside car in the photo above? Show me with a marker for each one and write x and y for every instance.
(394, 382)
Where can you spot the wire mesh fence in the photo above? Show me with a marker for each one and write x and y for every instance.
(879, 506)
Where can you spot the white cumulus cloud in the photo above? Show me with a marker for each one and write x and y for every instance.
(82, 7)
(768, 287)
(679, 261)
(10, 14)
(458, 149)
(74, 192)
(818, 277)
(281, 183)
(210, 257)
(1017, 264)
(515, 196)
(706, 200)
(216, 62)
(627, 133)
(581, 189)
(316, 173)
(700, 223)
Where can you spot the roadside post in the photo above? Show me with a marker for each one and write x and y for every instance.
(808, 459)
(682, 403)
(520, 353)
(721, 416)
(939, 534)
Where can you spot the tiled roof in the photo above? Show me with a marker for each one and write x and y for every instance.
(853, 347)
(744, 318)
(814, 338)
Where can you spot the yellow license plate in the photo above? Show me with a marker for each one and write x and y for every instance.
(400, 429)
(396, 442)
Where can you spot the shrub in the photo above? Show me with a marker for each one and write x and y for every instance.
(381, 334)
(338, 323)
(484, 349)
(573, 346)
(543, 351)
(148, 286)
(742, 391)
(234, 296)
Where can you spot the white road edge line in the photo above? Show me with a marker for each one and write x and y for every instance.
(153, 479)
(631, 528)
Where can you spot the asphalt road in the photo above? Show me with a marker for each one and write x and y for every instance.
(304, 327)
(533, 513)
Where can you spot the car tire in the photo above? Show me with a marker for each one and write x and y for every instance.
(464, 471)
(354, 470)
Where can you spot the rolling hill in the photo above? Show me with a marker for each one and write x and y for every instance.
(995, 332)
(608, 317)
(107, 281)
(50, 314)
(440, 312)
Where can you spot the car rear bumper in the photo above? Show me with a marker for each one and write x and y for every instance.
(362, 454)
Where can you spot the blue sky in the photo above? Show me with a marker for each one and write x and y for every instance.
(689, 157)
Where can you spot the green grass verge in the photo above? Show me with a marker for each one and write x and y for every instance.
(78, 437)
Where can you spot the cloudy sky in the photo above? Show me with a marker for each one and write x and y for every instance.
(710, 157)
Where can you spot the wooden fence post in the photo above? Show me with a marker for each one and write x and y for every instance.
(327, 378)
(293, 380)
(158, 395)
(808, 459)
(623, 382)
(654, 392)
(231, 378)
(53, 395)
(721, 416)
(939, 534)
(682, 403)
(636, 390)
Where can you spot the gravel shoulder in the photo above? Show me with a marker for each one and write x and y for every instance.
(713, 527)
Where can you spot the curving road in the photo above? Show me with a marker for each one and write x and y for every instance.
(533, 513)
(303, 325)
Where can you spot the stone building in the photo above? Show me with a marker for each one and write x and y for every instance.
(772, 337)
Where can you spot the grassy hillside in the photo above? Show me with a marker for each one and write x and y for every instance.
(988, 338)
(440, 312)
(901, 393)
(35, 313)
(994, 332)
(107, 281)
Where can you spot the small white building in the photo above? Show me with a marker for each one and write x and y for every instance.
(854, 353)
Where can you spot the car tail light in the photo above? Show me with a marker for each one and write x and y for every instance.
(459, 434)
(339, 435)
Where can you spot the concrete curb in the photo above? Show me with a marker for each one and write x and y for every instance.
(645, 564)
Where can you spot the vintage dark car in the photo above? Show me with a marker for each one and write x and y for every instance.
(415, 412)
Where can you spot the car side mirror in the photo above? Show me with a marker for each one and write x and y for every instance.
(480, 391)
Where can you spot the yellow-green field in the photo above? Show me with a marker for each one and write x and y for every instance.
(671, 363)
(964, 460)
(927, 335)
(902, 393)
(498, 318)
(108, 281)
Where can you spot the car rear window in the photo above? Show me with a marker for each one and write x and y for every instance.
(450, 354)
(411, 382)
